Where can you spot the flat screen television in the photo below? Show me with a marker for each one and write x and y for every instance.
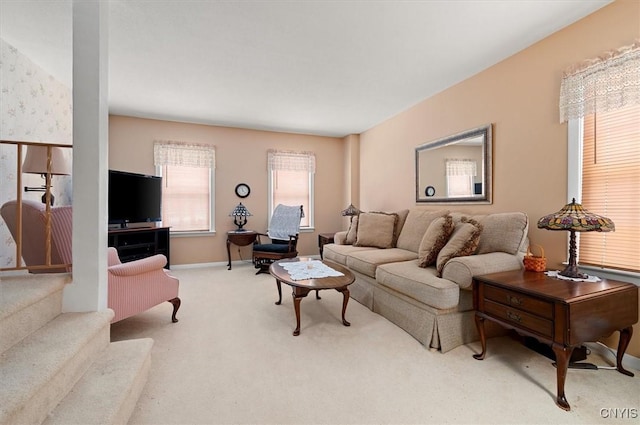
(134, 198)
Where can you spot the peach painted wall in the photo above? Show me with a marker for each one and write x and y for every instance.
(520, 97)
(241, 156)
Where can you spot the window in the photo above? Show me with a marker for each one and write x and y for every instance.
(291, 181)
(611, 187)
(460, 174)
(187, 172)
(600, 99)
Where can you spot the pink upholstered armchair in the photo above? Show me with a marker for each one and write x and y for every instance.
(138, 285)
(33, 234)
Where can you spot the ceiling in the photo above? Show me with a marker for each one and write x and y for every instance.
(329, 68)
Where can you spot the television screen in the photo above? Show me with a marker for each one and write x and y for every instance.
(134, 198)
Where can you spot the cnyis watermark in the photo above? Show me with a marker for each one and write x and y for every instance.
(619, 413)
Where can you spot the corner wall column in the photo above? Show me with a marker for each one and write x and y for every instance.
(88, 292)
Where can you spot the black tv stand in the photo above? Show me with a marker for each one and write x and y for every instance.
(134, 243)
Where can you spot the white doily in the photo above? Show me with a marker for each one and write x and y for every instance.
(314, 269)
(587, 277)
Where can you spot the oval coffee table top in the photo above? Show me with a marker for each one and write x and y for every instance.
(278, 272)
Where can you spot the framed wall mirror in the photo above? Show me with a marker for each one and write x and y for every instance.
(456, 169)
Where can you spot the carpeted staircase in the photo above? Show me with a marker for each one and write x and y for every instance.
(61, 368)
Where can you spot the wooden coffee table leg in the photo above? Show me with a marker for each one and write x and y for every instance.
(279, 292)
(345, 300)
(298, 294)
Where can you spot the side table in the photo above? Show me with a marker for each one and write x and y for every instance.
(239, 238)
(323, 239)
(561, 313)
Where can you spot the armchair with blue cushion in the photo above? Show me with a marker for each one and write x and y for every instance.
(283, 232)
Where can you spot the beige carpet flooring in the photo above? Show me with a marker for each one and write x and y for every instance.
(231, 359)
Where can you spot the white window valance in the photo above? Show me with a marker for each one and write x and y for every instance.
(602, 84)
(291, 161)
(461, 167)
(166, 152)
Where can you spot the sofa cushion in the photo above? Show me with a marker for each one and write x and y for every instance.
(463, 241)
(423, 285)
(351, 233)
(415, 226)
(434, 239)
(339, 253)
(376, 229)
(503, 232)
(366, 261)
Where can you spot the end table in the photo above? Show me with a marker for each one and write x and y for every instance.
(561, 313)
(323, 239)
(239, 238)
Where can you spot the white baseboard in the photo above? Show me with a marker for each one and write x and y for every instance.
(223, 263)
(200, 265)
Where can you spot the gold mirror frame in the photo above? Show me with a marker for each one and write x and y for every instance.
(474, 146)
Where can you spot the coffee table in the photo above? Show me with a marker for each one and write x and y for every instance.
(301, 288)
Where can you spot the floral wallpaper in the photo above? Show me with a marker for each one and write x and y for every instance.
(34, 107)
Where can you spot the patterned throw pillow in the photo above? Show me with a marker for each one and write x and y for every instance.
(351, 233)
(463, 241)
(375, 230)
(434, 239)
(415, 226)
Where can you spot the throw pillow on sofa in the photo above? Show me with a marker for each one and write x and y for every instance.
(463, 241)
(351, 233)
(503, 232)
(434, 239)
(416, 224)
(376, 229)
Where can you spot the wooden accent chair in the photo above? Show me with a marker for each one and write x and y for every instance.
(284, 228)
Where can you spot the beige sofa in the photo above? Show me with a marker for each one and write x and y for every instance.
(415, 267)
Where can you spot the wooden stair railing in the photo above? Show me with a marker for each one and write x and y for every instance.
(20, 145)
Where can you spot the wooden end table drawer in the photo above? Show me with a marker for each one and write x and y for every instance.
(520, 319)
(520, 301)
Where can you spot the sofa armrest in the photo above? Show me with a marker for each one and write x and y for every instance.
(462, 269)
(143, 265)
(340, 238)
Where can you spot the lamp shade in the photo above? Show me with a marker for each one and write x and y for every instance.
(240, 214)
(35, 161)
(240, 211)
(350, 211)
(574, 217)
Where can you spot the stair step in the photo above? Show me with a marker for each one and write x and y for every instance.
(28, 302)
(110, 388)
(41, 369)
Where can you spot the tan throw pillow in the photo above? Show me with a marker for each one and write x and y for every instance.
(434, 239)
(351, 233)
(375, 230)
(463, 241)
(416, 224)
(503, 232)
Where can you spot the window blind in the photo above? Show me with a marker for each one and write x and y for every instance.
(611, 187)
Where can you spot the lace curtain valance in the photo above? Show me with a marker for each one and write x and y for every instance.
(184, 154)
(461, 167)
(291, 161)
(606, 83)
